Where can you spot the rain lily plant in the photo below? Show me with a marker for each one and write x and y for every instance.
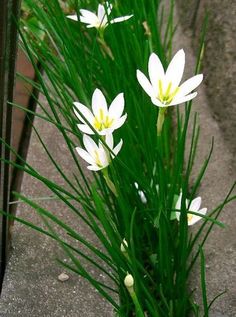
(102, 119)
(164, 87)
(141, 256)
(100, 20)
(194, 207)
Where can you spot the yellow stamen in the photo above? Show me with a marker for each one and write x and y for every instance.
(160, 90)
(106, 123)
(97, 159)
(101, 123)
(167, 96)
(171, 96)
(168, 90)
(97, 124)
(101, 114)
(190, 217)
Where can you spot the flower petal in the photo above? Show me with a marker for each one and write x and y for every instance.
(202, 211)
(195, 204)
(90, 16)
(72, 17)
(106, 131)
(103, 157)
(83, 111)
(85, 128)
(155, 70)
(119, 122)
(195, 219)
(89, 26)
(158, 103)
(109, 141)
(175, 69)
(101, 12)
(84, 20)
(94, 168)
(177, 214)
(109, 7)
(177, 101)
(145, 83)
(189, 85)
(117, 106)
(85, 155)
(117, 149)
(121, 19)
(178, 203)
(99, 103)
(90, 145)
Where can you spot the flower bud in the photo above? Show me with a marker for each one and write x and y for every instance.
(124, 246)
(129, 281)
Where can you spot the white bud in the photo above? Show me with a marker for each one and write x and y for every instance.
(129, 281)
(141, 194)
(124, 246)
(142, 197)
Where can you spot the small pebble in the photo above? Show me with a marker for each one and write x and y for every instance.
(63, 277)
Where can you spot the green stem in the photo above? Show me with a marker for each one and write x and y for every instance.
(160, 120)
(138, 309)
(101, 33)
(110, 184)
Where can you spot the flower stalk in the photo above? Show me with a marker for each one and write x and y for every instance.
(129, 284)
(160, 120)
(105, 48)
(109, 182)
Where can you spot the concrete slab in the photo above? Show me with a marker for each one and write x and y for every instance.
(31, 286)
(220, 55)
(221, 246)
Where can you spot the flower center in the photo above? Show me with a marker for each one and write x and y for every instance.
(190, 217)
(102, 122)
(97, 159)
(167, 96)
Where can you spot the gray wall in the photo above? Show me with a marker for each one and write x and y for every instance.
(219, 64)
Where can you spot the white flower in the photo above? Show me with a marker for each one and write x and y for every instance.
(103, 120)
(164, 87)
(98, 156)
(141, 194)
(99, 20)
(194, 207)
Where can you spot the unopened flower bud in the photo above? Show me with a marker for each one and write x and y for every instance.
(129, 282)
(141, 194)
(124, 246)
